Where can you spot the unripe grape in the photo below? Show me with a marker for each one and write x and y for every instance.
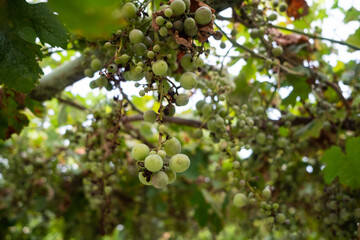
(138, 69)
(191, 32)
(198, 133)
(275, 3)
(187, 4)
(172, 146)
(187, 63)
(153, 163)
(163, 129)
(171, 175)
(218, 35)
(261, 138)
(182, 100)
(101, 81)
(281, 142)
(178, 7)
(266, 193)
(240, 200)
(283, 6)
(164, 6)
(112, 68)
(89, 72)
(142, 93)
(140, 151)
(129, 10)
(277, 51)
(169, 25)
(150, 54)
(93, 84)
(199, 62)
(222, 45)
(168, 12)
(272, 17)
(189, 23)
(203, 15)
(156, 48)
(150, 116)
(143, 179)
(136, 36)
(160, 180)
(159, 68)
(160, 20)
(188, 80)
(179, 25)
(179, 163)
(200, 104)
(207, 109)
(163, 31)
(124, 58)
(139, 49)
(162, 154)
(170, 110)
(96, 64)
(107, 45)
(255, 33)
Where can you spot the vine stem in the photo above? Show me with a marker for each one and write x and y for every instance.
(161, 92)
(314, 36)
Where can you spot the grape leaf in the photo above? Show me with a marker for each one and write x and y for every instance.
(310, 130)
(300, 88)
(354, 38)
(22, 23)
(352, 15)
(346, 167)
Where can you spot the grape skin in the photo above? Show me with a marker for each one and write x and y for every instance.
(153, 163)
(179, 163)
(160, 180)
(140, 151)
(172, 146)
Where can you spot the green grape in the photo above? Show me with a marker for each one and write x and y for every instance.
(188, 80)
(261, 138)
(96, 64)
(160, 20)
(162, 154)
(171, 146)
(191, 32)
(163, 129)
(140, 151)
(153, 163)
(200, 104)
(136, 36)
(170, 110)
(203, 15)
(139, 49)
(199, 62)
(179, 25)
(240, 200)
(168, 12)
(182, 100)
(107, 45)
(142, 93)
(152, 152)
(277, 51)
(187, 63)
(218, 35)
(207, 109)
(189, 23)
(138, 69)
(283, 6)
(124, 58)
(272, 17)
(160, 180)
(281, 142)
(89, 72)
(255, 33)
(108, 86)
(178, 7)
(129, 10)
(266, 193)
(143, 179)
(163, 7)
(160, 68)
(275, 3)
(150, 116)
(156, 48)
(112, 68)
(171, 175)
(179, 163)
(119, 32)
(222, 45)
(150, 54)
(163, 31)
(93, 84)
(101, 81)
(187, 4)
(199, 133)
(169, 25)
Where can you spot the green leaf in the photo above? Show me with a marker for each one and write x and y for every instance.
(346, 167)
(352, 15)
(28, 34)
(310, 130)
(354, 38)
(300, 87)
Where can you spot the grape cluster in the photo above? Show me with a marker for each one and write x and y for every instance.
(159, 168)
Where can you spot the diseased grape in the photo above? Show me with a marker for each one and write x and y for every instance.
(112, 68)
(189, 23)
(179, 163)
(143, 179)
(140, 151)
(171, 175)
(160, 179)
(153, 163)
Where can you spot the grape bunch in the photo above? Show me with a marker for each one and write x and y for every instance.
(159, 168)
